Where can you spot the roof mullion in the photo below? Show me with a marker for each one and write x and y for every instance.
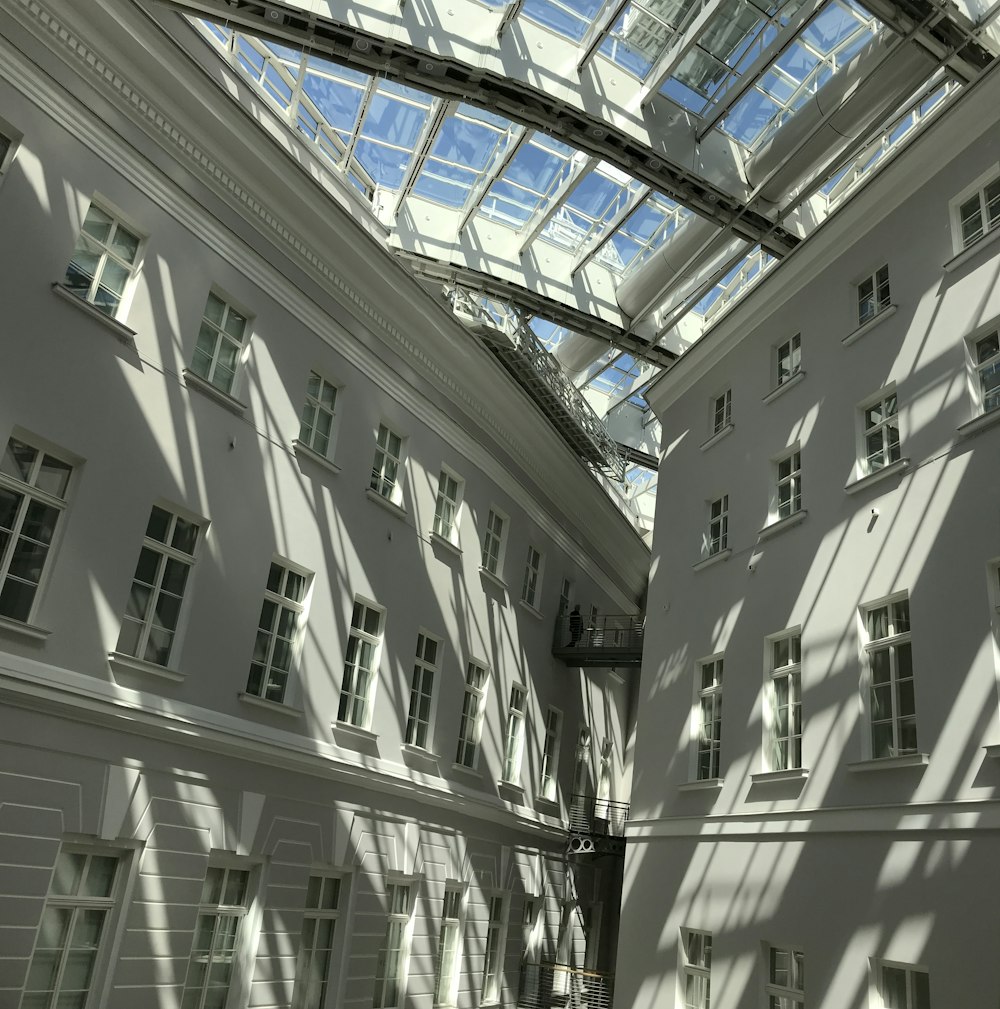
(438, 112)
(599, 30)
(509, 16)
(477, 194)
(362, 114)
(634, 202)
(580, 170)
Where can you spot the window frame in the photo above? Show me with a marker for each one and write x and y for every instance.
(976, 368)
(534, 571)
(717, 537)
(307, 438)
(452, 928)
(470, 729)
(391, 491)
(712, 693)
(877, 982)
(401, 976)
(449, 533)
(773, 673)
(494, 948)
(792, 455)
(423, 669)
(791, 995)
(719, 420)
(548, 765)
(491, 561)
(863, 431)
(782, 375)
(13, 139)
(690, 969)
(977, 188)
(873, 295)
(514, 735)
(222, 336)
(304, 989)
(349, 696)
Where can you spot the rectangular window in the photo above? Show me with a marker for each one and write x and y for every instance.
(718, 525)
(722, 411)
(986, 361)
(881, 433)
(788, 359)
(494, 541)
(105, 259)
(316, 950)
(386, 466)
(149, 625)
(565, 592)
(425, 668)
(786, 982)
(531, 587)
(278, 630)
(473, 709)
(979, 213)
(449, 500)
(696, 968)
(709, 719)
(363, 646)
(493, 960)
(549, 777)
(390, 967)
(892, 711)
(33, 487)
(514, 734)
(73, 930)
(789, 485)
(318, 415)
(225, 899)
(220, 344)
(873, 295)
(900, 986)
(785, 702)
(449, 943)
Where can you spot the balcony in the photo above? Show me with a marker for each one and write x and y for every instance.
(610, 641)
(549, 985)
(596, 826)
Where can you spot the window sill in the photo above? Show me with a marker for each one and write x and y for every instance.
(889, 763)
(869, 325)
(119, 329)
(980, 423)
(511, 791)
(496, 580)
(705, 785)
(536, 613)
(864, 482)
(789, 774)
(390, 506)
(780, 525)
(355, 731)
(470, 771)
(548, 806)
(717, 437)
(276, 706)
(442, 541)
(412, 750)
(198, 384)
(972, 251)
(119, 661)
(784, 387)
(720, 555)
(303, 451)
(993, 751)
(7, 624)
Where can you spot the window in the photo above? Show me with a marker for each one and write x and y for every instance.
(425, 666)
(722, 411)
(473, 709)
(105, 259)
(785, 978)
(696, 968)
(220, 344)
(390, 967)
(873, 295)
(531, 587)
(446, 508)
(316, 950)
(788, 359)
(880, 433)
(979, 213)
(514, 734)
(531, 931)
(33, 488)
(493, 960)
(891, 708)
(446, 977)
(385, 468)
(789, 485)
(718, 525)
(709, 719)
(900, 986)
(565, 593)
(986, 362)
(149, 625)
(360, 663)
(494, 542)
(281, 619)
(549, 776)
(225, 899)
(73, 928)
(783, 719)
(318, 414)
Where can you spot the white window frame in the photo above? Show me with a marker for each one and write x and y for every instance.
(788, 641)
(355, 705)
(221, 336)
(426, 672)
(978, 369)
(403, 920)
(311, 987)
(721, 412)
(534, 569)
(788, 993)
(873, 295)
(883, 429)
(877, 993)
(708, 701)
(565, 597)
(497, 904)
(274, 681)
(470, 730)
(696, 968)
(899, 686)
(514, 732)
(448, 962)
(106, 258)
(33, 495)
(388, 464)
(792, 480)
(318, 411)
(167, 552)
(12, 138)
(495, 542)
(787, 357)
(988, 180)
(548, 770)
(448, 505)
(717, 537)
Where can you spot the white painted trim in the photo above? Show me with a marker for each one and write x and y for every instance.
(129, 663)
(774, 528)
(889, 763)
(703, 785)
(978, 424)
(275, 706)
(197, 384)
(303, 451)
(721, 555)
(788, 774)
(496, 580)
(973, 250)
(536, 613)
(863, 483)
(441, 541)
(784, 387)
(118, 329)
(879, 317)
(718, 436)
(19, 627)
(390, 506)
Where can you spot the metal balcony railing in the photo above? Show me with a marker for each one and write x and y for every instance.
(600, 817)
(550, 985)
(612, 640)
